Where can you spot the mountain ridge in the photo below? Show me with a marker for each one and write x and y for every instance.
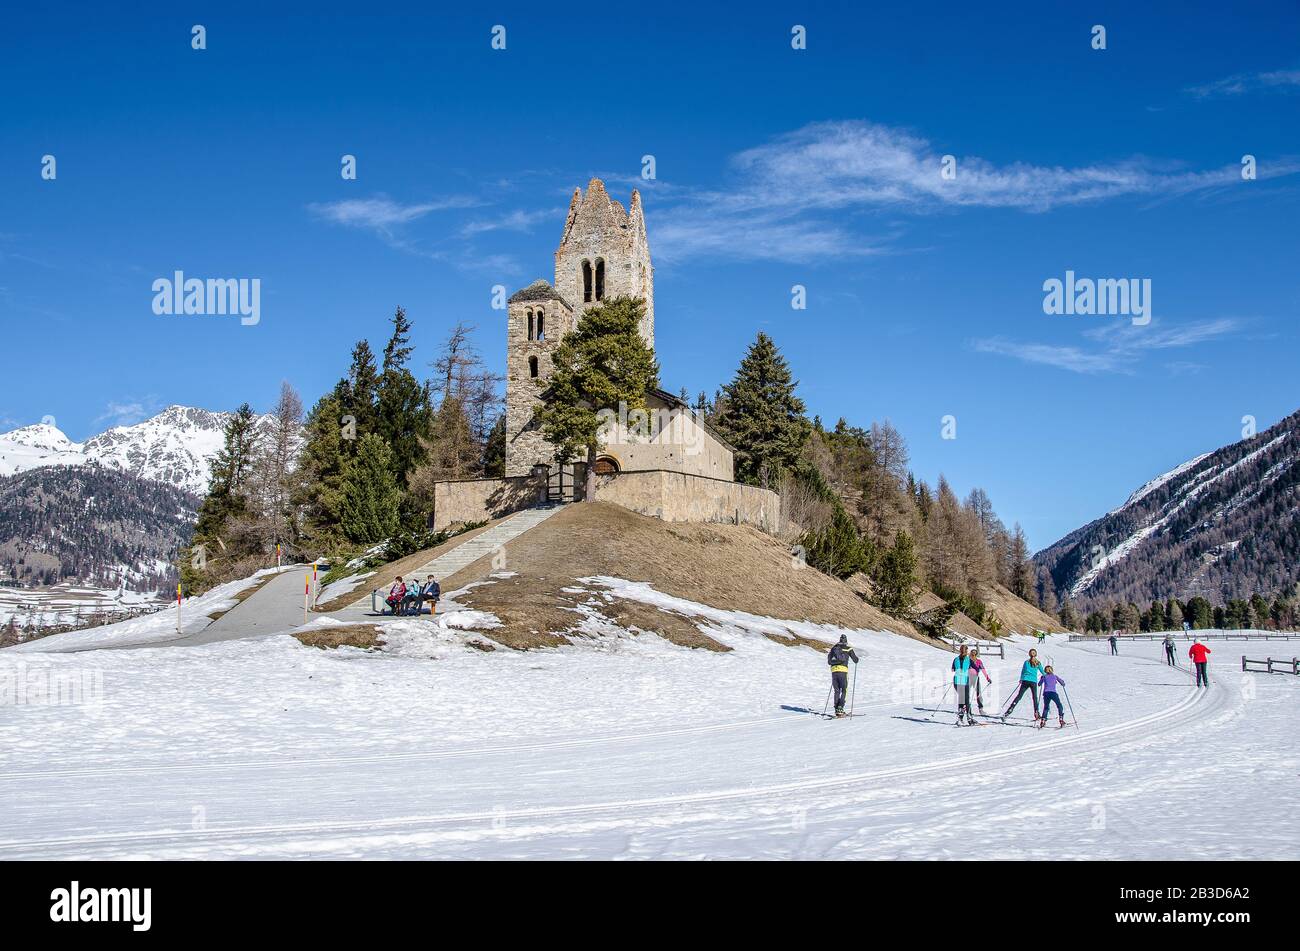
(175, 447)
(1224, 524)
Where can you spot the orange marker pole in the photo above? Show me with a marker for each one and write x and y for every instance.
(178, 607)
(306, 590)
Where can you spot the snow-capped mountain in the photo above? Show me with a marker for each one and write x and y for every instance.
(1225, 524)
(176, 447)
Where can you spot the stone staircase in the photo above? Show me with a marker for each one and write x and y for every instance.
(463, 555)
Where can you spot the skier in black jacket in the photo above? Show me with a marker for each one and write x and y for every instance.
(838, 658)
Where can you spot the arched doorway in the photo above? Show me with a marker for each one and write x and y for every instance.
(606, 465)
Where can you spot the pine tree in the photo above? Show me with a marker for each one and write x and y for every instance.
(838, 550)
(896, 578)
(761, 416)
(494, 452)
(369, 497)
(603, 364)
(226, 505)
(404, 412)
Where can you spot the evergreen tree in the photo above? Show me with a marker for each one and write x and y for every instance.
(494, 452)
(896, 578)
(326, 452)
(604, 364)
(226, 504)
(369, 497)
(838, 550)
(762, 418)
(404, 412)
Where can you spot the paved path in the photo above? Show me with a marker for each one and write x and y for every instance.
(276, 606)
(463, 555)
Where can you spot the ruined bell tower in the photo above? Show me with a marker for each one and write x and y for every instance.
(604, 253)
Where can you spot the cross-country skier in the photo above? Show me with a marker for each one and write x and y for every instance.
(961, 670)
(839, 657)
(1199, 654)
(1169, 650)
(1050, 680)
(1030, 671)
(977, 667)
(1114, 644)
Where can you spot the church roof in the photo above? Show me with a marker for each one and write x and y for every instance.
(538, 290)
(678, 403)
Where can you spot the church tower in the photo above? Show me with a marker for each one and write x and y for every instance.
(603, 253)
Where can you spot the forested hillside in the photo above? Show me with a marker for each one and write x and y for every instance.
(1223, 526)
(93, 524)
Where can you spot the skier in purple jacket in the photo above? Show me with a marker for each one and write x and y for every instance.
(1050, 680)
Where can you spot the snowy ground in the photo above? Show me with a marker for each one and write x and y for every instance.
(159, 626)
(628, 747)
(63, 604)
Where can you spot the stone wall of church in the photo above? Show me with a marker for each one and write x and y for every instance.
(478, 500)
(671, 438)
(525, 444)
(682, 497)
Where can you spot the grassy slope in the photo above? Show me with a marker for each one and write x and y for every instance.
(734, 568)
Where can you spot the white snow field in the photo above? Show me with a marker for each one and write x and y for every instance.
(624, 746)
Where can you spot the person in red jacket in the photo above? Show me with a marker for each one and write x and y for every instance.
(1198, 652)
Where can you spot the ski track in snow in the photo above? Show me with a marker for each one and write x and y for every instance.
(267, 749)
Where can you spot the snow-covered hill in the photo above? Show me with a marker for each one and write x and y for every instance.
(176, 447)
(623, 745)
(1225, 524)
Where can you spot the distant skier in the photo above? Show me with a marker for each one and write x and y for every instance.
(1199, 654)
(839, 657)
(1030, 671)
(977, 667)
(961, 671)
(1169, 650)
(1114, 644)
(1050, 682)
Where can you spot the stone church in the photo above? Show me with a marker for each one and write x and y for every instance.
(603, 253)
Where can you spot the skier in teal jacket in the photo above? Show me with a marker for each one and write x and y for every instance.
(1030, 671)
(961, 671)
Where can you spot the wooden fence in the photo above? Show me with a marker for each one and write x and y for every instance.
(987, 648)
(1269, 666)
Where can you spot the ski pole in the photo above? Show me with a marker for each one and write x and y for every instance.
(940, 703)
(853, 698)
(827, 705)
(1067, 703)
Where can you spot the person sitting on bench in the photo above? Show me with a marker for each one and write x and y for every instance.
(395, 595)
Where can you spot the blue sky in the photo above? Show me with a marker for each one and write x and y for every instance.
(774, 167)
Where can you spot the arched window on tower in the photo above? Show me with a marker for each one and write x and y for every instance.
(532, 367)
(600, 278)
(541, 325)
(586, 282)
(530, 325)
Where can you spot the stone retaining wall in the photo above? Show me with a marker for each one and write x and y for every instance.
(681, 497)
(477, 500)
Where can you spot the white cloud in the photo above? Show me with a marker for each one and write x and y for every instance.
(795, 197)
(126, 413)
(380, 213)
(512, 221)
(1119, 345)
(1278, 80)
